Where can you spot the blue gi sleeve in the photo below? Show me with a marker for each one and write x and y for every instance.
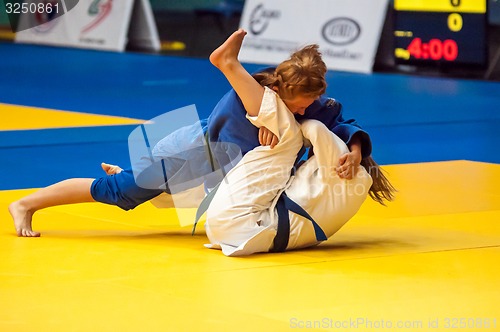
(228, 123)
(329, 112)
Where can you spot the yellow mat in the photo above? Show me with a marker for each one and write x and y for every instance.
(428, 262)
(24, 118)
(7, 34)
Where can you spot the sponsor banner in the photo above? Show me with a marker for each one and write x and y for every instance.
(347, 31)
(96, 24)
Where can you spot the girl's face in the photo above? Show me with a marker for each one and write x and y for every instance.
(298, 104)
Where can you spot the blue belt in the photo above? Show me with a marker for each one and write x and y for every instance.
(283, 206)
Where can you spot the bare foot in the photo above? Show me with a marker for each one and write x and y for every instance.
(228, 51)
(111, 169)
(22, 220)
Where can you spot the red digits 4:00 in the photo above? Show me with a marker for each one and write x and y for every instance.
(435, 49)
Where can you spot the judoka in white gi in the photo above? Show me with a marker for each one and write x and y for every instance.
(242, 217)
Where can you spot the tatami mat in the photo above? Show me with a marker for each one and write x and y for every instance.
(427, 262)
(15, 117)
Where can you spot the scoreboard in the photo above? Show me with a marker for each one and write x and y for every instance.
(440, 31)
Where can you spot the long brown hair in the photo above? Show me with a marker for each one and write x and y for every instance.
(381, 190)
(303, 74)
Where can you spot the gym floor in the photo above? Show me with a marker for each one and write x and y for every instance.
(427, 261)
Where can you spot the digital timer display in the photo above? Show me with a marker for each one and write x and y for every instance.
(440, 31)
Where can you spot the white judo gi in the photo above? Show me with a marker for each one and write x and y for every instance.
(242, 218)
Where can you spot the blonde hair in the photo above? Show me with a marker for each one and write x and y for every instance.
(301, 75)
(304, 75)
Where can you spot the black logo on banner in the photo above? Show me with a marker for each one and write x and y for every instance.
(341, 31)
(260, 18)
(37, 12)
